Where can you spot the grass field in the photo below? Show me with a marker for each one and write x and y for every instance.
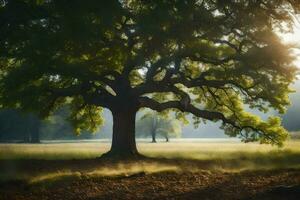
(227, 155)
(38, 165)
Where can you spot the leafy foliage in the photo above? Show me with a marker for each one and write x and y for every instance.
(208, 58)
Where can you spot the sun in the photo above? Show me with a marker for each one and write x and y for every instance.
(294, 38)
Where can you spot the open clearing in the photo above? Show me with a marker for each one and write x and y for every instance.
(181, 169)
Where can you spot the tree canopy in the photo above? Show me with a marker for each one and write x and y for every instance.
(208, 58)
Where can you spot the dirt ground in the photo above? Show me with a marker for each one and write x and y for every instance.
(199, 183)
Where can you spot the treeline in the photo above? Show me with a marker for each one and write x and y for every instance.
(27, 127)
(16, 126)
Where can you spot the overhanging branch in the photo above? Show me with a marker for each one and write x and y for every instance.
(204, 114)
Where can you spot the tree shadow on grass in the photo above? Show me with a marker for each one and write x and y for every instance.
(245, 185)
(259, 185)
(221, 191)
(236, 162)
(191, 179)
(287, 192)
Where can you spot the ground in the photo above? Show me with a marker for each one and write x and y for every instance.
(182, 169)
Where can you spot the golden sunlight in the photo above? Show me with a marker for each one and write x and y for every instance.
(294, 38)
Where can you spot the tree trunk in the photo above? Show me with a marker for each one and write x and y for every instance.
(123, 140)
(167, 139)
(154, 126)
(153, 137)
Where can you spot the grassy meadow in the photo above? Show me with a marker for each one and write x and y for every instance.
(205, 154)
(34, 171)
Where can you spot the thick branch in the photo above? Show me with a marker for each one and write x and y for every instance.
(209, 115)
(101, 98)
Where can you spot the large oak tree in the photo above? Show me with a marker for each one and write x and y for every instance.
(211, 58)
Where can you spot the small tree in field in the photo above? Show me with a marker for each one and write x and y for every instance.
(153, 124)
(208, 58)
(171, 128)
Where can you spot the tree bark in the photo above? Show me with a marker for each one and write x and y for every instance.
(123, 139)
(153, 137)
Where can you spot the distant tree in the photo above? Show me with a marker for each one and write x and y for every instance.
(147, 125)
(153, 124)
(170, 128)
(204, 57)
